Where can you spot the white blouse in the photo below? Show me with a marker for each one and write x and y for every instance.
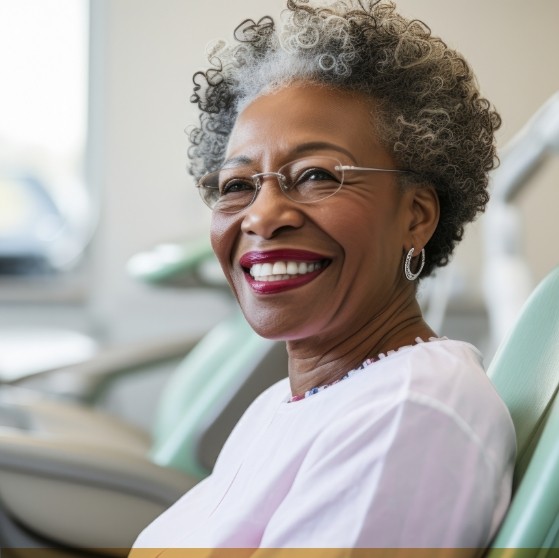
(416, 450)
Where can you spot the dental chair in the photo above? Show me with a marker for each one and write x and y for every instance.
(72, 477)
(525, 372)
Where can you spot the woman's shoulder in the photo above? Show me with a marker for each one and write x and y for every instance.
(446, 373)
(452, 373)
(446, 378)
(432, 367)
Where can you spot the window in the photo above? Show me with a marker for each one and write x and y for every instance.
(45, 215)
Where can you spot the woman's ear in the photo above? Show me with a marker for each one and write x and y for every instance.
(425, 211)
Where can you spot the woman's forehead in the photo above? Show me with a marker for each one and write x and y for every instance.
(285, 122)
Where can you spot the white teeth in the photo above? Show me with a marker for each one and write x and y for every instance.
(266, 269)
(281, 271)
(292, 268)
(280, 268)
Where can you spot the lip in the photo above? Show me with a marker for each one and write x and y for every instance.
(254, 257)
(272, 287)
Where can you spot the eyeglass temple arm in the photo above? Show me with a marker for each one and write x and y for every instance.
(351, 167)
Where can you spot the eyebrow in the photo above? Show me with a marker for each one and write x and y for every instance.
(300, 149)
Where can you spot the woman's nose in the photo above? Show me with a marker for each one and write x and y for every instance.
(271, 211)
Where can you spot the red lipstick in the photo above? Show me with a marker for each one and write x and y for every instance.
(249, 259)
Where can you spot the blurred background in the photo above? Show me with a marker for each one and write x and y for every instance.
(93, 106)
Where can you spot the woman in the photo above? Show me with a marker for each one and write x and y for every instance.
(342, 154)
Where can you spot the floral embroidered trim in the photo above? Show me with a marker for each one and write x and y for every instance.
(362, 366)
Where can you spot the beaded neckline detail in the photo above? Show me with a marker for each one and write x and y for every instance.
(367, 362)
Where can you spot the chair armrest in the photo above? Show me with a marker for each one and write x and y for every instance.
(82, 494)
(84, 381)
(179, 264)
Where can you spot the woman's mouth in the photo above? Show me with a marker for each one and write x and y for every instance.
(280, 270)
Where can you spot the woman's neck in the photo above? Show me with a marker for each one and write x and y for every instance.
(319, 360)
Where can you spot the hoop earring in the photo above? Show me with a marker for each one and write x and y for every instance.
(410, 276)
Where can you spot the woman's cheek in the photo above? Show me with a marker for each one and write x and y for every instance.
(223, 240)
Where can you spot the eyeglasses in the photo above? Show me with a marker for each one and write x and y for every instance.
(308, 180)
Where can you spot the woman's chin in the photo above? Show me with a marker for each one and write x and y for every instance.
(271, 326)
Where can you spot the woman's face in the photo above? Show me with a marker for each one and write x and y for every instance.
(352, 243)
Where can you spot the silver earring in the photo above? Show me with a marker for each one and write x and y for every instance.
(407, 265)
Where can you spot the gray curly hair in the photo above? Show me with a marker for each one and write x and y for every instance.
(432, 117)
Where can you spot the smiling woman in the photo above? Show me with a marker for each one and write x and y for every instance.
(342, 153)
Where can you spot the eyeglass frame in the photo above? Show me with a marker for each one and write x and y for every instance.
(282, 181)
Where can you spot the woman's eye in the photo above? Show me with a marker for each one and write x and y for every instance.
(316, 174)
(235, 186)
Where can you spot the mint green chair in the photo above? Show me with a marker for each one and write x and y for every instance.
(525, 372)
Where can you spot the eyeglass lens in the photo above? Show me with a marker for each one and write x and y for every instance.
(306, 180)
